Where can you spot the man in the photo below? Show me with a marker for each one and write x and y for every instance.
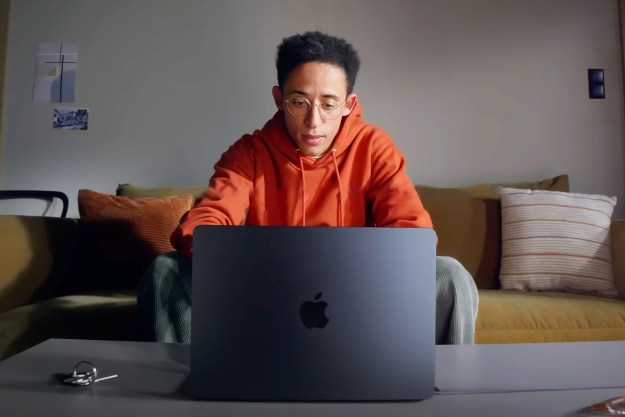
(315, 163)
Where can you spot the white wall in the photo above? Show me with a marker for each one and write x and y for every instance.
(471, 90)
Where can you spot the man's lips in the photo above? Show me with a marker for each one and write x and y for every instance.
(312, 139)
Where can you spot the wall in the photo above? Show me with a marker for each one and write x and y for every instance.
(472, 91)
(4, 25)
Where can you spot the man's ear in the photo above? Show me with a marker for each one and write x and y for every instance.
(350, 103)
(276, 92)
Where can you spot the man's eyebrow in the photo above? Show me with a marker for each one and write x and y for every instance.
(303, 93)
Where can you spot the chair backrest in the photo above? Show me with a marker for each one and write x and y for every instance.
(37, 194)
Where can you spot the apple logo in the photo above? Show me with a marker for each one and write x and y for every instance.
(313, 313)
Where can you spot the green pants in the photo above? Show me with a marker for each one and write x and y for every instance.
(164, 300)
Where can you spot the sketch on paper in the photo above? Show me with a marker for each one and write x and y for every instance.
(71, 118)
(55, 72)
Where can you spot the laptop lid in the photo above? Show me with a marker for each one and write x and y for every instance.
(313, 313)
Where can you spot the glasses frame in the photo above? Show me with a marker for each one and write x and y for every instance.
(323, 115)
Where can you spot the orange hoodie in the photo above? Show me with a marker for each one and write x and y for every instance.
(264, 180)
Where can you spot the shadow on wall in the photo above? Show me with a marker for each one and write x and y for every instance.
(62, 89)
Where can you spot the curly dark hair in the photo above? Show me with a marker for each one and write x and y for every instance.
(317, 47)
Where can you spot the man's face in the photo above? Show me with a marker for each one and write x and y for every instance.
(317, 82)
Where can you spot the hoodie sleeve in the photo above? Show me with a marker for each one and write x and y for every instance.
(395, 202)
(226, 200)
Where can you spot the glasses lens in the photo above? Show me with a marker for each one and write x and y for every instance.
(298, 106)
(328, 109)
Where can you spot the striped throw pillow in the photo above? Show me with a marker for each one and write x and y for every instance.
(556, 241)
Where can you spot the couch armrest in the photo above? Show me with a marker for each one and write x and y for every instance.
(617, 232)
(35, 253)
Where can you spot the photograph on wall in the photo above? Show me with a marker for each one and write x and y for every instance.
(71, 118)
(55, 72)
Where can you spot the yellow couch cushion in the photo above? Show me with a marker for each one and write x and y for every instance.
(534, 317)
(468, 223)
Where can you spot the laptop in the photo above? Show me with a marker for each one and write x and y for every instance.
(313, 313)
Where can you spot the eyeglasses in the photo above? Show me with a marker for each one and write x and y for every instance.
(328, 109)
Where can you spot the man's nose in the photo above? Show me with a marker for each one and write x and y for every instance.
(313, 117)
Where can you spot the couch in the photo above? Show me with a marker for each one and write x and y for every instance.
(76, 277)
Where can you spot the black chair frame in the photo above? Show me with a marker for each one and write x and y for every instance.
(37, 194)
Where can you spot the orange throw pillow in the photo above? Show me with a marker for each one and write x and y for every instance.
(131, 229)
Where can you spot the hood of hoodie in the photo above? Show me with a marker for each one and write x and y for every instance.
(275, 135)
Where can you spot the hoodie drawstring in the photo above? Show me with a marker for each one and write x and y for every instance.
(338, 179)
(301, 168)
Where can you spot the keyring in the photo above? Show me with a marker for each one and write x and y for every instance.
(81, 378)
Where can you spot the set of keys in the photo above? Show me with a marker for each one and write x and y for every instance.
(80, 378)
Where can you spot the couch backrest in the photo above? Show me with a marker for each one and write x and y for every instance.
(137, 191)
(467, 220)
(468, 223)
(617, 232)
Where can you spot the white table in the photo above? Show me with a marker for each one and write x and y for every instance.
(530, 367)
(481, 380)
